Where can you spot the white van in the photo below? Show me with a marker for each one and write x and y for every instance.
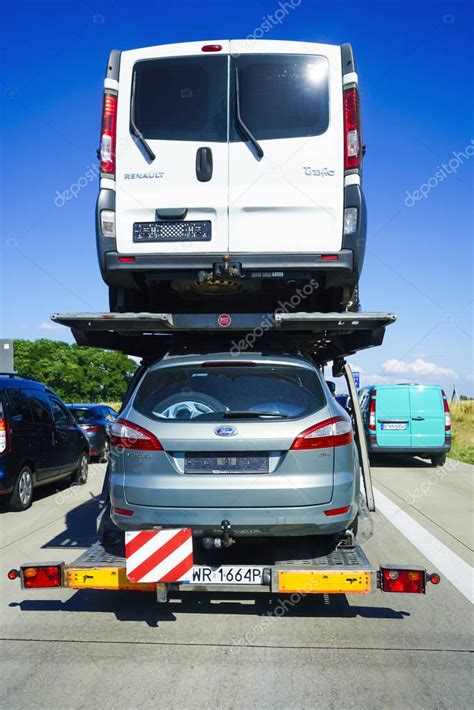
(231, 168)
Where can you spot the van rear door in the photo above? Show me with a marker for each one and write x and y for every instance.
(427, 417)
(392, 416)
(176, 97)
(290, 200)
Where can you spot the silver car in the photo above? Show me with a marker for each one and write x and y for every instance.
(255, 444)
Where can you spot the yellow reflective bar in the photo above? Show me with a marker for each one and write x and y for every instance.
(330, 582)
(102, 578)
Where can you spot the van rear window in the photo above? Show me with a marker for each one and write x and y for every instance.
(182, 99)
(283, 95)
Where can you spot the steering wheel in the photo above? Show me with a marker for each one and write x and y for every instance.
(187, 406)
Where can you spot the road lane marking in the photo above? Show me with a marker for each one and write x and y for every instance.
(457, 571)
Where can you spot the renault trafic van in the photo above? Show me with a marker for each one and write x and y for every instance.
(407, 419)
(231, 168)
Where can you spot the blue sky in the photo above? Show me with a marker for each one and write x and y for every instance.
(416, 82)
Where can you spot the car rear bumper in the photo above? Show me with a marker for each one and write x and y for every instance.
(245, 522)
(343, 271)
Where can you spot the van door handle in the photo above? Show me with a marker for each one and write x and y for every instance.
(418, 419)
(204, 164)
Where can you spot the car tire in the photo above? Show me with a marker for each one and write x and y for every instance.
(104, 453)
(438, 460)
(22, 495)
(80, 475)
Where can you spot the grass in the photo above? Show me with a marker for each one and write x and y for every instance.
(462, 417)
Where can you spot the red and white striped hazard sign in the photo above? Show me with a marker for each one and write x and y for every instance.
(159, 555)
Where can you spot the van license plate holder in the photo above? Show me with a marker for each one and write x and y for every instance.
(172, 231)
(394, 426)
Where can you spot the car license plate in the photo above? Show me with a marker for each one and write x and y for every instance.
(394, 426)
(226, 463)
(226, 574)
(174, 231)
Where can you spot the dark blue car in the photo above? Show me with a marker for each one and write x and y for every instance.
(40, 441)
(95, 421)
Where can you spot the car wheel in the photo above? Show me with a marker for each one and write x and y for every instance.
(104, 453)
(438, 460)
(22, 495)
(80, 476)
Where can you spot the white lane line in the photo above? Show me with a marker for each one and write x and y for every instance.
(447, 562)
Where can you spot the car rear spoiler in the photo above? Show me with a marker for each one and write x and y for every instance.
(324, 336)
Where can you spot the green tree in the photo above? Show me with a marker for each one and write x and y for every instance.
(76, 374)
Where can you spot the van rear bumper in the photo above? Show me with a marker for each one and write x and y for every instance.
(426, 453)
(256, 266)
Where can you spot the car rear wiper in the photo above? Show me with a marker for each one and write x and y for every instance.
(251, 415)
(245, 130)
(135, 130)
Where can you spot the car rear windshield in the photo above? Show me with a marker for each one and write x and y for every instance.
(207, 392)
(282, 95)
(182, 99)
(82, 414)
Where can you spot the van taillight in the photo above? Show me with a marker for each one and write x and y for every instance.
(3, 436)
(128, 435)
(352, 137)
(372, 425)
(109, 133)
(336, 431)
(447, 415)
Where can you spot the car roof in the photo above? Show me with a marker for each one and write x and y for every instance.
(11, 381)
(86, 406)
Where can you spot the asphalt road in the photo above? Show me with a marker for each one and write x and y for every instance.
(79, 649)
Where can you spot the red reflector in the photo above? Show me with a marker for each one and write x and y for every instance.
(211, 48)
(42, 577)
(126, 259)
(90, 427)
(406, 581)
(329, 257)
(337, 511)
(123, 511)
(434, 578)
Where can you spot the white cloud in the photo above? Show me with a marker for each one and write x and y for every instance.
(49, 325)
(374, 379)
(418, 367)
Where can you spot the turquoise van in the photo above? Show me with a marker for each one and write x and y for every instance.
(407, 419)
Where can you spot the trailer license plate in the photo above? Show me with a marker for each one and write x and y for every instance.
(227, 574)
(394, 426)
(198, 231)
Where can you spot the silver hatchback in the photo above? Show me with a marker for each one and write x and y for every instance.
(257, 442)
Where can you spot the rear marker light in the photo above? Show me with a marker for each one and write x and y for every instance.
(337, 511)
(211, 48)
(3, 436)
(90, 427)
(329, 257)
(108, 133)
(350, 220)
(129, 435)
(123, 511)
(42, 576)
(13, 574)
(352, 142)
(408, 581)
(107, 223)
(336, 431)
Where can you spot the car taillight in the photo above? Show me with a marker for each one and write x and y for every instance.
(352, 137)
(108, 134)
(90, 427)
(372, 425)
(447, 415)
(3, 436)
(336, 431)
(132, 436)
